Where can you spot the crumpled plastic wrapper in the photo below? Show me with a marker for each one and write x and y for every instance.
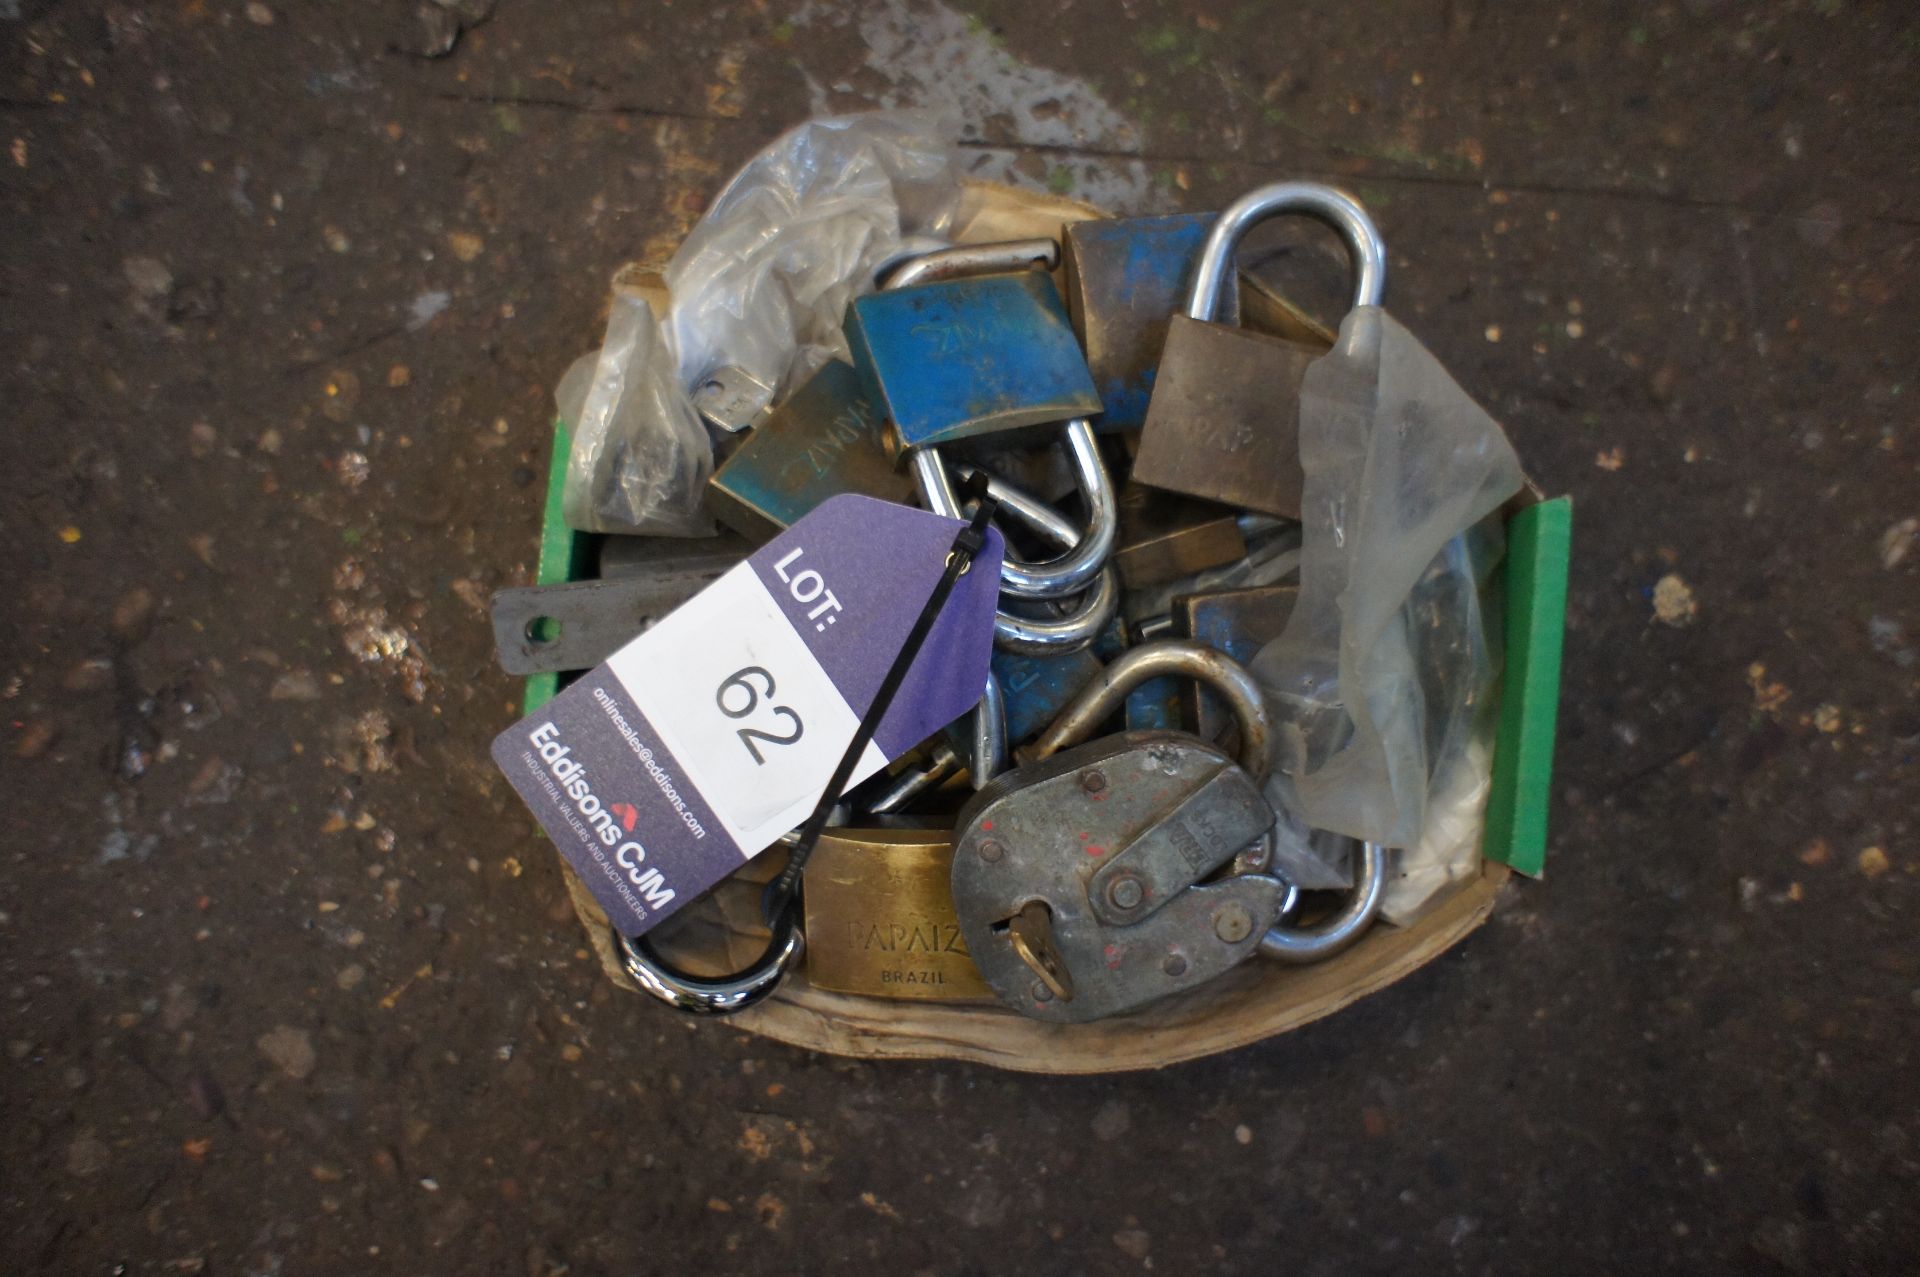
(763, 282)
(640, 458)
(760, 285)
(1449, 849)
(1385, 675)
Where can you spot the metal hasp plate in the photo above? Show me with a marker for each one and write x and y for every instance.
(1224, 423)
(1137, 818)
(1164, 537)
(554, 628)
(730, 398)
(670, 556)
(825, 440)
(880, 920)
(1123, 277)
(964, 357)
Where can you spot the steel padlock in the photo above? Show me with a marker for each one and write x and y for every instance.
(1081, 878)
(826, 439)
(1224, 419)
(980, 351)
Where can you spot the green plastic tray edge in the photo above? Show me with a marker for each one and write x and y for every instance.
(563, 552)
(1539, 547)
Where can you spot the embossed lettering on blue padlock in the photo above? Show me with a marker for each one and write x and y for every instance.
(971, 356)
(825, 440)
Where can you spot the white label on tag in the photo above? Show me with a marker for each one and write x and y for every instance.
(747, 709)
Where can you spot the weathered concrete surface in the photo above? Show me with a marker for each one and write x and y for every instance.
(290, 983)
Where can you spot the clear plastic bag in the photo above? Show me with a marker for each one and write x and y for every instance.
(640, 458)
(763, 281)
(761, 285)
(1383, 677)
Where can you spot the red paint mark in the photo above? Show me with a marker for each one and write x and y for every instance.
(1113, 953)
(1096, 850)
(986, 824)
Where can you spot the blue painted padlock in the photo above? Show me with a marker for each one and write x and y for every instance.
(971, 356)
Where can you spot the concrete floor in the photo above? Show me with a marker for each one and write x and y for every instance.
(291, 984)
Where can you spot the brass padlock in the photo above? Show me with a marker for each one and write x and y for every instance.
(825, 440)
(1164, 536)
(1224, 420)
(880, 920)
(1082, 564)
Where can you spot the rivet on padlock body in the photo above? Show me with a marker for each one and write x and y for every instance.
(825, 440)
(1224, 420)
(981, 354)
(1113, 838)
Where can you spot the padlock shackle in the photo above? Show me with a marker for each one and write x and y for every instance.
(987, 747)
(1086, 552)
(1178, 657)
(1330, 935)
(716, 995)
(1213, 273)
(1079, 627)
(909, 248)
(975, 259)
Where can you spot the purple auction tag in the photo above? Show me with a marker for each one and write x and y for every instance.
(702, 741)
